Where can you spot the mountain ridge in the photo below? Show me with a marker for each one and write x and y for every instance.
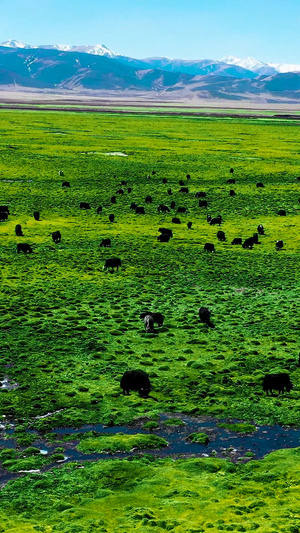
(76, 71)
(248, 63)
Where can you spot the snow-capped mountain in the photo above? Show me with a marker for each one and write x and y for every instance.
(98, 49)
(55, 70)
(262, 69)
(249, 63)
(199, 67)
(228, 66)
(15, 44)
(285, 67)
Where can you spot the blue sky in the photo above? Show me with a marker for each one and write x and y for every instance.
(195, 29)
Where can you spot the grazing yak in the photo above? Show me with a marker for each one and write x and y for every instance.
(188, 176)
(136, 380)
(216, 220)
(260, 229)
(232, 192)
(248, 243)
(200, 194)
(184, 190)
(169, 191)
(113, 200)
(133, 206)
(163, 209)
(165, 180)
(56, 236)
(36, 215)
(181, 182)
(158, 318)
(231, 180)
(3, 216)
(164, 237)
(166, 231)
(181, 209)
(105, 243)
(148, 199)
(279, 245)
(260, 184)
(189, 225)
(237, 240)
(231, 171)
(84, 205)
(4, 209)
(277, 382)
(120, 191)
(113, 262)
(24, 247)
(173, 204)
(149, 323)
(60, 173)
(99, 210)
(66, 184)
(176, 220)
(18, 230)
(129, 190)
(203, 203)
(221, 236)
(123, 182)
(209, 247)
(282, 212)
(140, 210)
(204, 315)
(111, 217)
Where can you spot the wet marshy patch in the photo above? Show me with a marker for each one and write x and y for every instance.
(7, 384)
(166, 435)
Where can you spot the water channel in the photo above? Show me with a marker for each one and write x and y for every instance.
(223, 442)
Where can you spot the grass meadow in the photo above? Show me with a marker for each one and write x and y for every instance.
(69, 329)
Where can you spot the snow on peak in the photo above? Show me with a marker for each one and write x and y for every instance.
(11, 43)
(97, 49)
(261, 68)
(285, 67)
(248, 63)
(61, 47)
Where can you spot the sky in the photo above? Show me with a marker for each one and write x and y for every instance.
(267, 30)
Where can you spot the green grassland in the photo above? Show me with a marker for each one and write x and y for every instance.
(69, 330)
(146, 496)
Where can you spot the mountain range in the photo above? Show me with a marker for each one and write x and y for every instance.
(97, 69)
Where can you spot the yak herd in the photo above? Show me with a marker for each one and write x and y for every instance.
(138, 380)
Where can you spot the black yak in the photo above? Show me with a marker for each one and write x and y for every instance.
(18, 230)
(209, 247)
(112, 263)
(278, 382)
(24, 247)
(56, 236)
(136, 380)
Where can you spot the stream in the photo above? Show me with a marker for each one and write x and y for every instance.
(223, 443)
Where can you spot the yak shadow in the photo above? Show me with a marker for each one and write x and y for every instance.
(208, 324)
